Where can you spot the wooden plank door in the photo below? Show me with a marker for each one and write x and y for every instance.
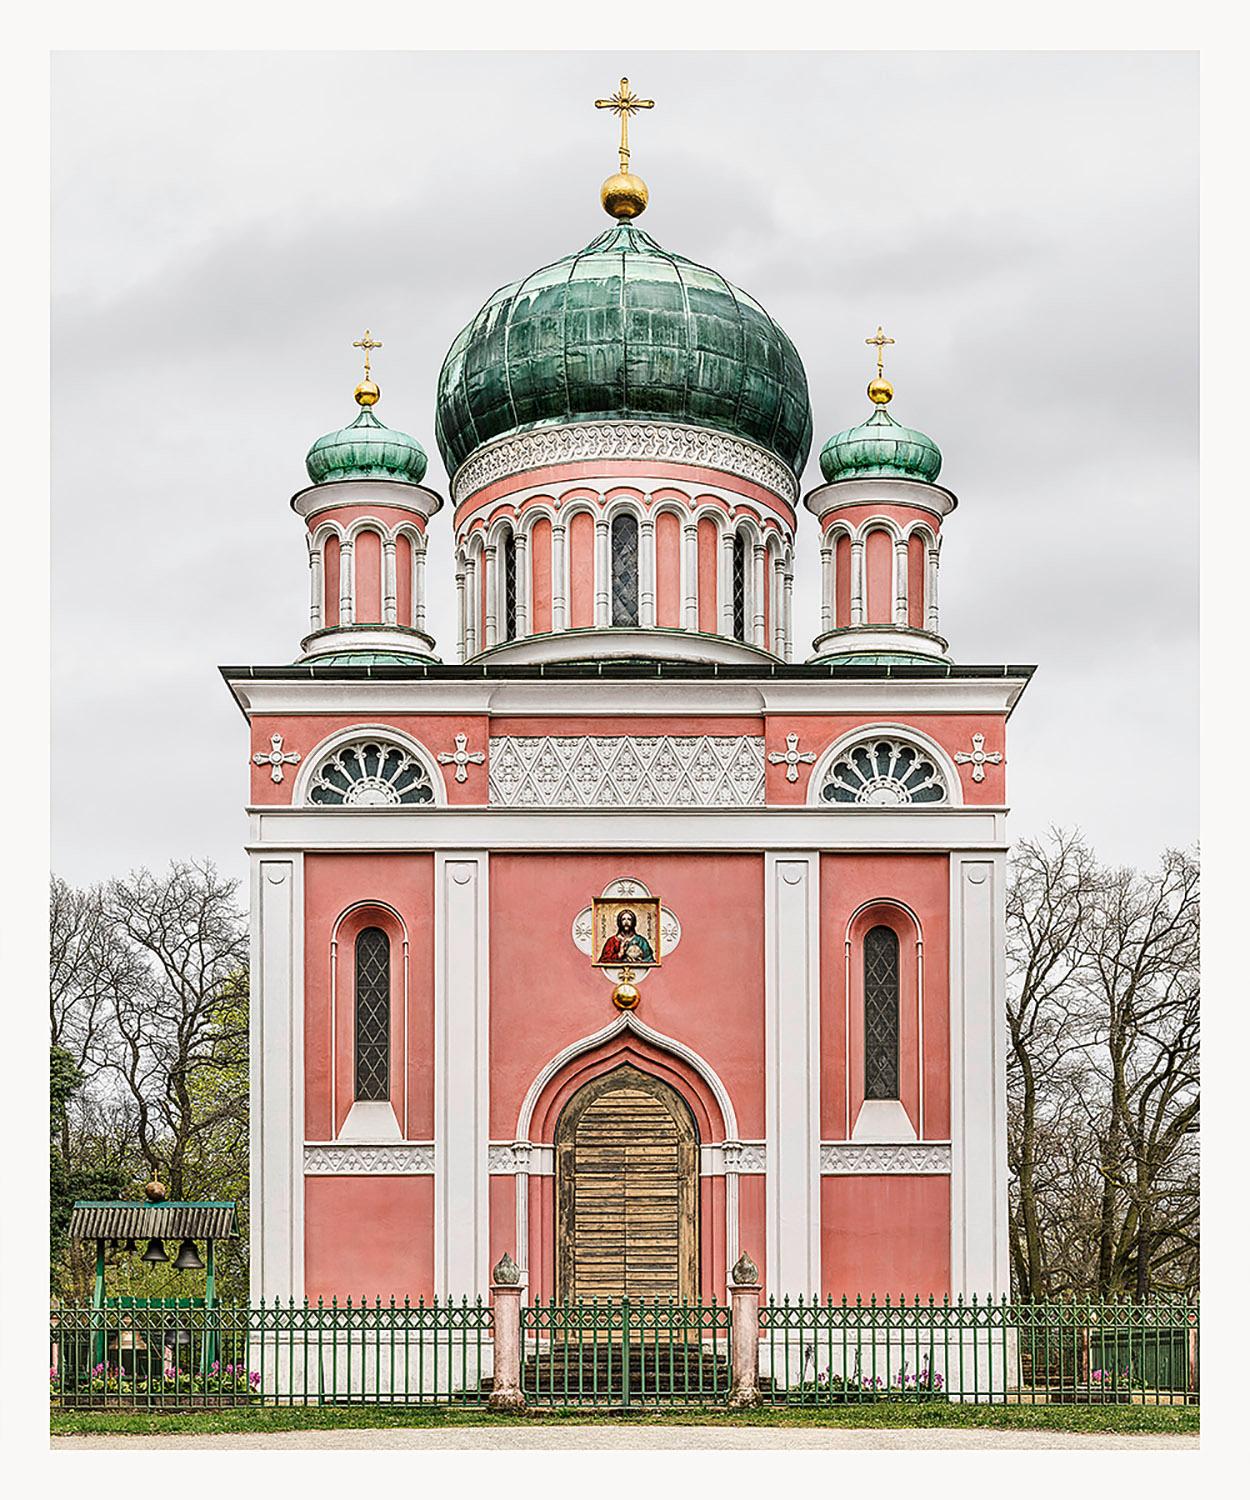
(626, 1190)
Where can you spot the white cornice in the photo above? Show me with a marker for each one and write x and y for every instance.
(628, 829)
(934, 498)
(584, 697)
(414, 498)
(620, 643)
(871, 639)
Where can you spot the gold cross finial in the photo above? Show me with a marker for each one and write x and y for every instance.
(624, 103)
(368, 344)
(880, 340)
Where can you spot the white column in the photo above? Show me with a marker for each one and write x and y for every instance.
(931, 591)
(979, 1260)
(789, 614)
(460, 615)
(461, 1043)
(314, 587)
(390, 603)
(690, 575)
(827, 595)
(418, 583)
(559, 572)
(756, 623)
(277, 1077)
(780, 633)
(857, 581)
(900, 582)
(792, 1071)
(521, 542)
(727, 583)
(488, 584)
(473, 612)
(347, 610)
(603, 573)
(646, 571)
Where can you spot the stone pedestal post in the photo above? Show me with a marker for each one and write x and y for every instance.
(744, 1296)
(505, 1291)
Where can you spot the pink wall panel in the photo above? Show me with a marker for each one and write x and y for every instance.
(915, 582)
(330, 566)
(887, 1235)
(708, 547)
(368, 561)
(368, 1236)
(879, 577)
(667, 569)
(403, 581)
(842, 581)
(582, 570)
(540, 575)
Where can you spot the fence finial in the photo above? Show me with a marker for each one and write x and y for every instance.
(745, 1271)
(506, 1272)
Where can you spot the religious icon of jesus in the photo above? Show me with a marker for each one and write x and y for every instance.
(627, 933)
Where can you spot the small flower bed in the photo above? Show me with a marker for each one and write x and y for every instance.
(920, 1385)
(105, 1379)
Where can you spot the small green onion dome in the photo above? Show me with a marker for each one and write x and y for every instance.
(880, 448)
(366, 449)
(623, 330)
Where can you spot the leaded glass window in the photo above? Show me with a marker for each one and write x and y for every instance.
(740, 587)
(373, 1014)
(881, 1013)
(509, 587)
(625, 569)
(884, 773)
(370, 773)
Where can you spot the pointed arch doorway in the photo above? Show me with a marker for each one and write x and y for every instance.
(627, 1190)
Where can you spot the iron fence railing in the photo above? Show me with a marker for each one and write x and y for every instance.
(153, 1353)
(819, 1352)
(633, 1352)
(624, 1353)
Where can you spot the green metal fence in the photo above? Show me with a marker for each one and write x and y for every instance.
(160, 1354)
(629, 1353)
(816, 1353)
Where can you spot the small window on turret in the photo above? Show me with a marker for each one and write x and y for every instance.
(740, 587)
(625, 570)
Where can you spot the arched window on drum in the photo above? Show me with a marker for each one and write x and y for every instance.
(625, 569)
(881, 1016)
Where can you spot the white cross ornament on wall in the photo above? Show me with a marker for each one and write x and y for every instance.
(277, 757)
(979, 758)
(792, 757)
(461, 758)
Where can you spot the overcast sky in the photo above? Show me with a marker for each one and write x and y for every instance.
(1025, 225)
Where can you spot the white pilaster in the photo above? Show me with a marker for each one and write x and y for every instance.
(646, 572)
(277, 1077)
(314, 588)
(418, 584)
(857, 581)
(559, 572)
(779, 636)
(792, 1070)
(727, 583)
(979, 1261)
(489, 585)
(461, 1042)
(756, 622)
(521, 542)
(900, 582)
(790, 614)
(690, 575)
(347, 611)
(460, 614)
(931, 592)
(389, 597)
(603, 573)
(826, 587)
(470, 599)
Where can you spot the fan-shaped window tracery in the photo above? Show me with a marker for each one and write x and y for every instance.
(881, 771)
(370, 773)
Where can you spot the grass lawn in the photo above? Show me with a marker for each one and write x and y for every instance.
(879, 1414)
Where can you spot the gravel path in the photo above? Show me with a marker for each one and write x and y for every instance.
(646, 1437)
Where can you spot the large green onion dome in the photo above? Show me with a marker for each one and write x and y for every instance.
(366, 449)
(623, 330)
(880, 448)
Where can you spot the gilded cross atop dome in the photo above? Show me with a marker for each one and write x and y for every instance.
(367, 392)
(624, 194)
(879, 389)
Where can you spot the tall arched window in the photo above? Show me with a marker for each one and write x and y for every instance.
(509, 586)
(740, 587)
(373, 1014)
(881, 1013)
(625, 569)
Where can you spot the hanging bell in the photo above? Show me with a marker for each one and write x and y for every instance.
(130, 1245)
(155, 1253)
(188, 1257)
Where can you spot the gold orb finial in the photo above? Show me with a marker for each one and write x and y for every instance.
(367, 392)
(624, 194)
(625, 996)
(879, 388)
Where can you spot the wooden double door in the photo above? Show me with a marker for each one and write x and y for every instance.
(627, 1190)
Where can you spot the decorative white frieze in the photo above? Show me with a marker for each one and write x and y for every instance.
(705, 770)
(396, 1159)
(979, 757)
(792, 757)
(853, 1158)
(657, 442)
(745, 1156)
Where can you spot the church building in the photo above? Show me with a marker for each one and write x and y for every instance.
(624, 934)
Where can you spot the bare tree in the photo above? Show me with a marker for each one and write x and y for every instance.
(181, 1030)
